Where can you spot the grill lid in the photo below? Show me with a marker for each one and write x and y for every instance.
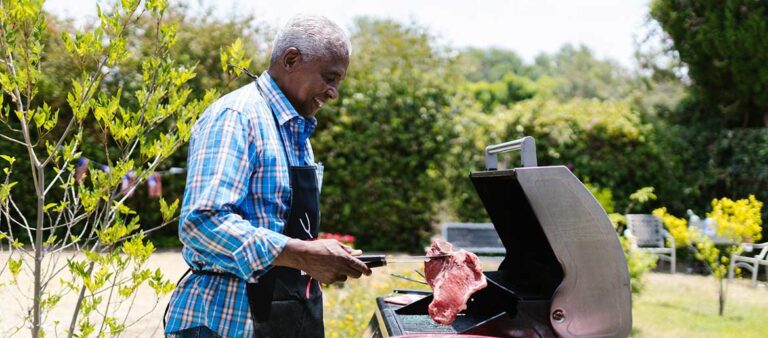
(560, 245)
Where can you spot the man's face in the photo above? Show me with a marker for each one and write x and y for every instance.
(310, 84)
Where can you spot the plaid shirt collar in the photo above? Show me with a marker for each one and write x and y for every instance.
(280, 105)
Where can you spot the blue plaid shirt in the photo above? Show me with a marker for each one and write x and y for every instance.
(236, 203)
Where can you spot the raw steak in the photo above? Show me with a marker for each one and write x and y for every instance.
(453, 280)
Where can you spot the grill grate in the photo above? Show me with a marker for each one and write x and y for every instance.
(422, 324)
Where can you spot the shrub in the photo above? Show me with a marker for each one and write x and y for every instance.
(604, 143)
(384, 141)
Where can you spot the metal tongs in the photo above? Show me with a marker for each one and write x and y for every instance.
(375, 261)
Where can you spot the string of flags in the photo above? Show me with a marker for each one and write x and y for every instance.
(154, 182)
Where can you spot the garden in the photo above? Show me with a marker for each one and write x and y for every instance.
(95, 119)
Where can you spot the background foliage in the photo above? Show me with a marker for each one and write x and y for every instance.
(414, 115)
(722, 45)
(385, 140)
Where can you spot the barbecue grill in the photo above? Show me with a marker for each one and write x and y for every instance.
(563, 273)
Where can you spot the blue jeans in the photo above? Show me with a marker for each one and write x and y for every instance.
(196, 332)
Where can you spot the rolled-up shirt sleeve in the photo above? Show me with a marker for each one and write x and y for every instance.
(219, 166)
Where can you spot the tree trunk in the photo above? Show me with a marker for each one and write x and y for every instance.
(38, 288)
(721, 298)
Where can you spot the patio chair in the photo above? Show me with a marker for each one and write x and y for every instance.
(648, 234)
(750, 263)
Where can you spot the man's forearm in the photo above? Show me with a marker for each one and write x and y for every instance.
(292, 254)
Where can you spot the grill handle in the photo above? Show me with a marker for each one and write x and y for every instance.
(526, 145)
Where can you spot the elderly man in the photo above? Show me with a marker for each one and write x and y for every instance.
(251, 205)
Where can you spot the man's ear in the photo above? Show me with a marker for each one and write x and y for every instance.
(291, 59)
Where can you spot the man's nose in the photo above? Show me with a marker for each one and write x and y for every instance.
(332, 92)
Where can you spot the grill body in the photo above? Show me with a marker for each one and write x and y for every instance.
(563, 274)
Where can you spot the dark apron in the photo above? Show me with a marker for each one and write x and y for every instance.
(287, 302)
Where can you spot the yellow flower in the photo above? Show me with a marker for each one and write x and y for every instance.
(677, 227)
(738, 220)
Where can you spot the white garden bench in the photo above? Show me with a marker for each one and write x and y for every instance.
(648, 234)
(750, 263)
(480, 238)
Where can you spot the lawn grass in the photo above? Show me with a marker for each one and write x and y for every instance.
(686, 306)
(670, 305)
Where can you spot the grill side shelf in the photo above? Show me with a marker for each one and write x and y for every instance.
(388, 317)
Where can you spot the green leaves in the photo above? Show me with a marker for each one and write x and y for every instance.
(724, 45)
(89, 198)
(5, 190)
(21, 27)
(114, 325)
(161, 285)
(158, 6)
(137, 249)
(643, 195)
(84, 45)
(77, 268)
(43, 117)
(50, 241)
(233, 58)
(117, 231)
(14, 265)
(9, 159)
(77, 99)
(123, 209)
(167, 211)
(50, 301)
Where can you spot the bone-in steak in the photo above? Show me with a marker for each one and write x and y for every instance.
(453, 280)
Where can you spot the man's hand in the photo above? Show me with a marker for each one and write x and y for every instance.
(326, 260)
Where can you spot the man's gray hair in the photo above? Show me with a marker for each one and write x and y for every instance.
(314, 36)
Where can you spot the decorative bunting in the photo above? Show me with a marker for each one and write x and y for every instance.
(128, 181)
(81, 169)
(154, 181)
(155, 185)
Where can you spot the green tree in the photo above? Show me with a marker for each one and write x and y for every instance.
(605, 143)
(384, 141)
(88, 220)
(492, 64)
(725, 47)
(199, 40)
(577, 73)
(510, 89)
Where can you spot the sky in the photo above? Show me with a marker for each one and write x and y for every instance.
(528, 27)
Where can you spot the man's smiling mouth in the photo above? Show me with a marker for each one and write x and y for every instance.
(319, 102)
